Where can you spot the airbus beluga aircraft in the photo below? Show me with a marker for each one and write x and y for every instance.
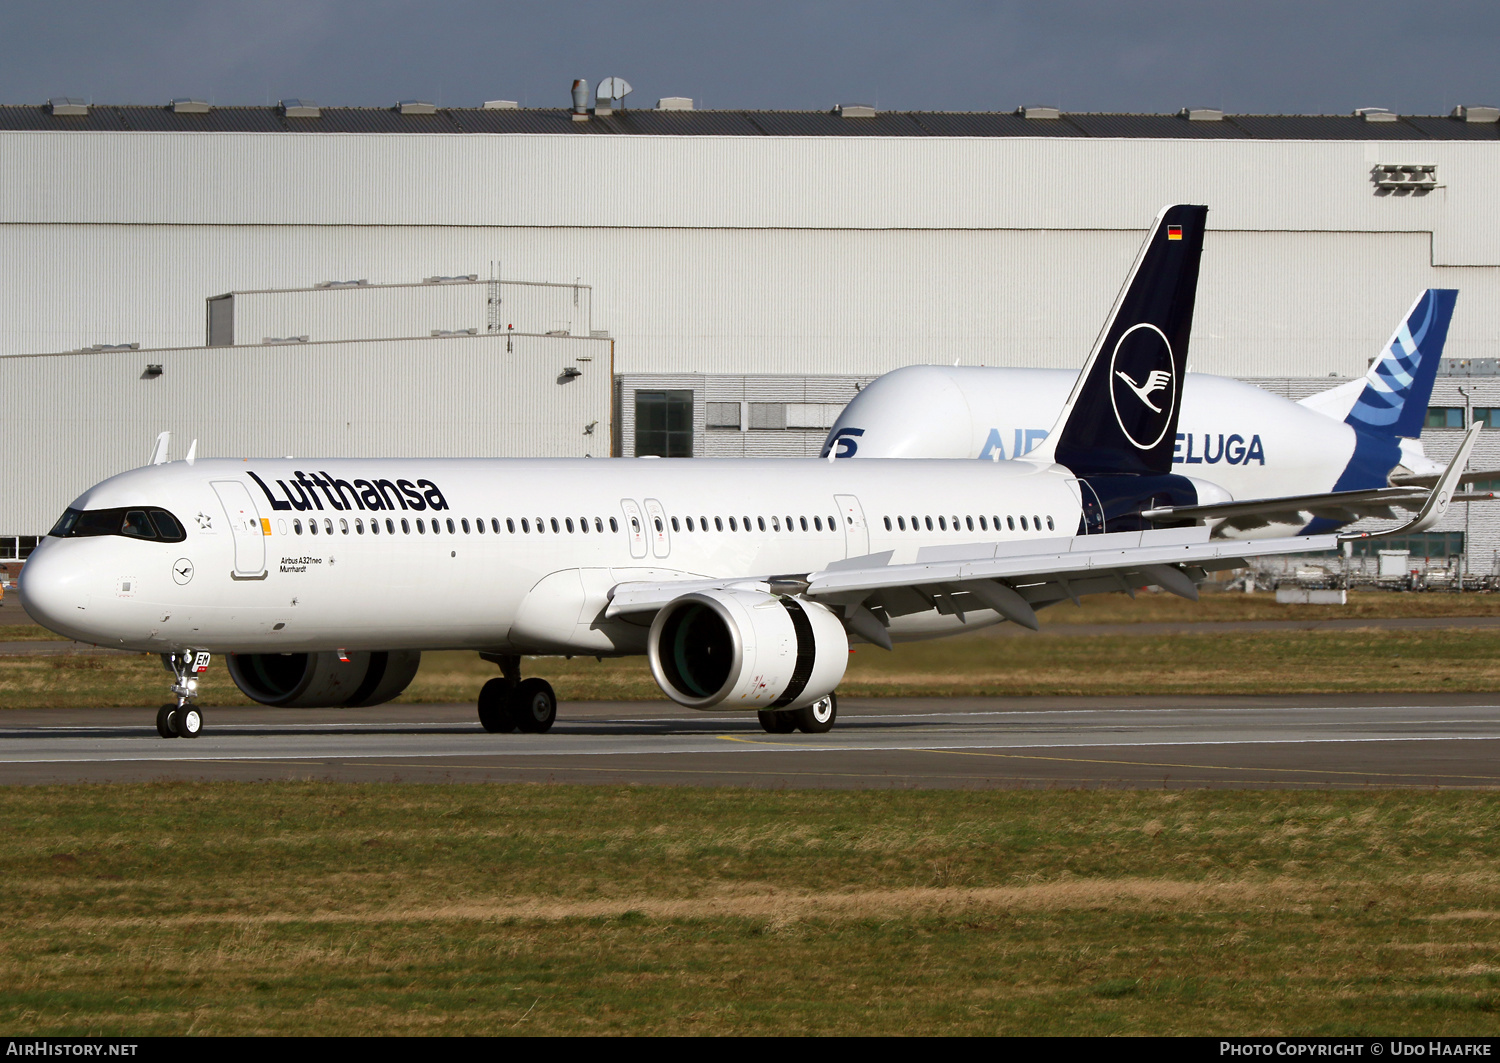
(741, 581)
(1284, 467)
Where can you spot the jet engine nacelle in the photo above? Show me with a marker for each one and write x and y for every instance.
(321, 680)
(746, 649)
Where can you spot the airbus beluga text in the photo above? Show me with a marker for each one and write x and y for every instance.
(741, 581)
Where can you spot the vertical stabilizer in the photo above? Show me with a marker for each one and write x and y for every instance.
(1391, 399)
(1122, 414)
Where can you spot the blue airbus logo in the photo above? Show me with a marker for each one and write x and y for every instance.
(1212, 449)
(847, 440)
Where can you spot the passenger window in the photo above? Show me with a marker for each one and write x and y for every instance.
(297, 526)
(929, 524)
(312, 527)
(568, 521)
(775, 523)
(719, 523)
(343, 526)
(818, 523)
(689, 523)
(833, 523)
(942, 524)
(510, 525)
(760, 522)
(614, 525)
(982, 525)
(495, 525)
(635, 525)
(405, 527)
(656, 521)
(374, 525)
(732, 525)
(359, 526)
(421, 527)
(802, 521)
(1023, 524)
(437, 526)
(887, 523)
(901, 523)
(747, 523)
(328, 525)
(1049, 524)
(675, 525)
(390, 525)
(465, 523)
(452, 530)
(1036, 522)
(583, 525)
(556, 528)
(598, 525)
(525, 526)
(969, 523)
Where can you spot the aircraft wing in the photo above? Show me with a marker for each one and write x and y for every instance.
(1012, 578)
(1342, 506)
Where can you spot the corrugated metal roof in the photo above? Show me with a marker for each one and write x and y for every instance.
(1156, 126)
(751, 124)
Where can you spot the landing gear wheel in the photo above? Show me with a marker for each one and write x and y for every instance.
(164, 721)
(534, 706)
(494, 708)
(818, 717)
(187, 722)
(778, 723)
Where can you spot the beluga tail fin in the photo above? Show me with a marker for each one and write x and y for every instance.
(1121, 417)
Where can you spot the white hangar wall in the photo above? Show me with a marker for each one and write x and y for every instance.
(734, 301)
(841, 255)
(82, 418)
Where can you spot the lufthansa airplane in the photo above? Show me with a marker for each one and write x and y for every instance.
(742, 581)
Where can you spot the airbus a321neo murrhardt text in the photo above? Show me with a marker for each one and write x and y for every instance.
(742, 581)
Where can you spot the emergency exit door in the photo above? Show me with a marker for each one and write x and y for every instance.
(856, 534)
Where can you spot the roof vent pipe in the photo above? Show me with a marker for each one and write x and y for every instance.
(580, 100)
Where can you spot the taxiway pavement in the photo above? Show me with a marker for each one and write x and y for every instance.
(1259, 742)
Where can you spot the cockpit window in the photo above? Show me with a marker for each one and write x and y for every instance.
(154, 524)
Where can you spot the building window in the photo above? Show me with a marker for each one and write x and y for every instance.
(1444, 417)
(1487, 414)
(664, 424)
(1425, 544)
(723, 415)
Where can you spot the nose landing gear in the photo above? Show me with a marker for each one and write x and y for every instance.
(510, 703)
(182, 719)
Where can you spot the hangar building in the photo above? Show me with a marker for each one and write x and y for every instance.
(508, 281)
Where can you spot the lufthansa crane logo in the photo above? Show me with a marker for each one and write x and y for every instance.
(1143, 385)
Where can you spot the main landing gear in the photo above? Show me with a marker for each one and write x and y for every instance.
(182, 719)
(510, 703)
(815, 719)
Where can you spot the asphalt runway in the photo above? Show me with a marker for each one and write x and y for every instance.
(1397, 741)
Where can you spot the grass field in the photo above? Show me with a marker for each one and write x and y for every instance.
(337, 909)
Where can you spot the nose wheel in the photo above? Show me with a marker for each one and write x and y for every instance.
(182, 718)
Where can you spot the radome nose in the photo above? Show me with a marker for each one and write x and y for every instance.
(52, 590)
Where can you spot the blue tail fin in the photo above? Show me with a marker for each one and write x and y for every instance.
(1121, 417)
(1399, 383)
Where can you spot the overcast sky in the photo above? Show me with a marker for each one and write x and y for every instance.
(1300, 57)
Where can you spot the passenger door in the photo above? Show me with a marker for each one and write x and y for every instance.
(635, 527)
(246, 527)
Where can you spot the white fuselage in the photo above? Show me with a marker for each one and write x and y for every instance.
(1246, 440)
(251, 576)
